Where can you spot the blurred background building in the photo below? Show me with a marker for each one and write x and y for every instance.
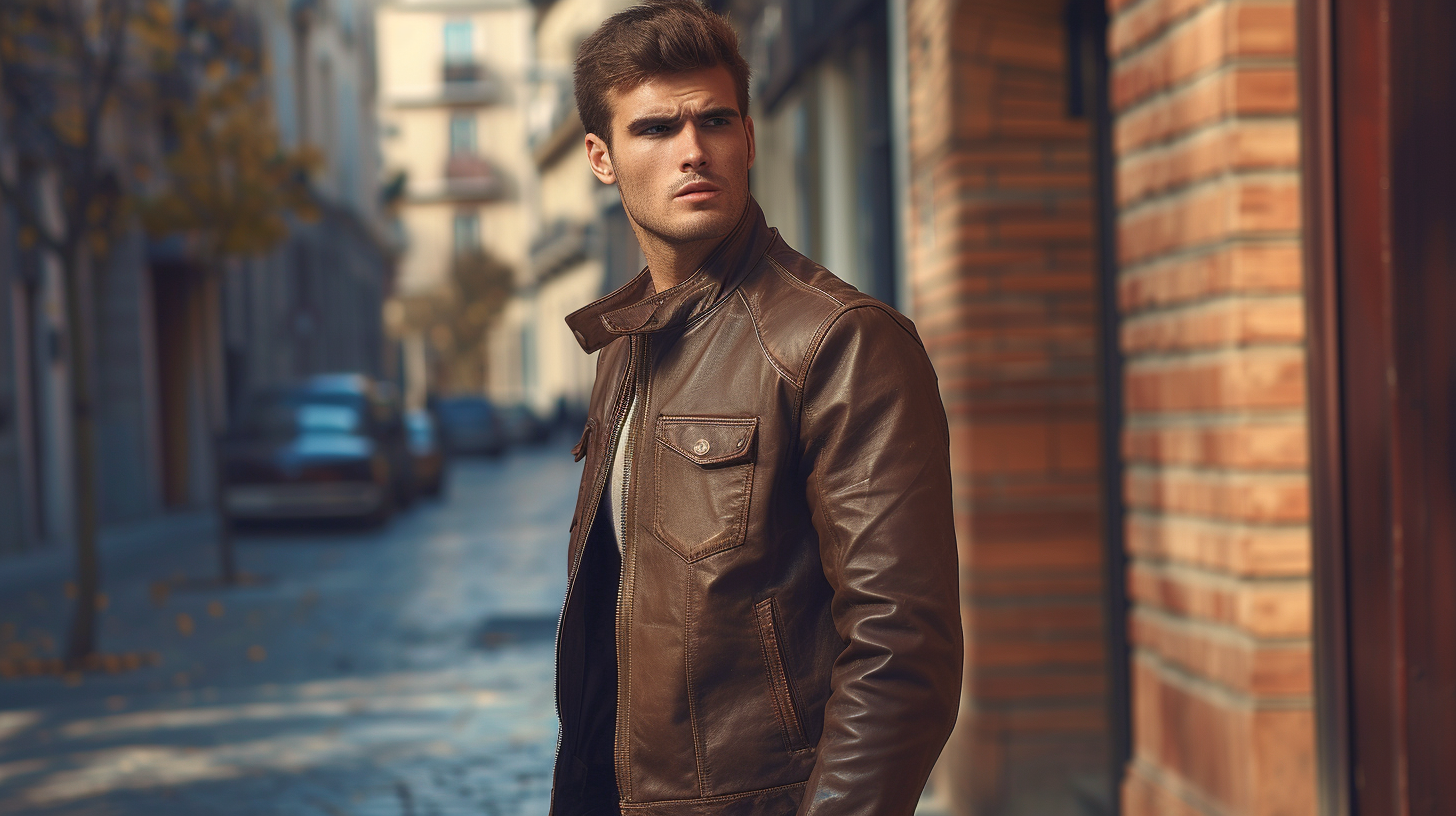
(177, 337)
(452, 107)
(580, 243)
(1178, 263)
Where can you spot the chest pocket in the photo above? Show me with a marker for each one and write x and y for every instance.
(704, 478)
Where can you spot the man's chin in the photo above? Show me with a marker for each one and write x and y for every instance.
(700, 225)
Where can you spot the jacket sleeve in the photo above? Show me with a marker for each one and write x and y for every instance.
(876, 455)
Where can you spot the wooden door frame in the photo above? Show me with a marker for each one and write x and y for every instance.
(1378, 99)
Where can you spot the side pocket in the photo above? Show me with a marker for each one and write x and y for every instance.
(582, 450)
(579, 451)
(765, 612)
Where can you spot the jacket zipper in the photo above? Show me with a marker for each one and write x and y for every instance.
(588, 518)
(642, 395)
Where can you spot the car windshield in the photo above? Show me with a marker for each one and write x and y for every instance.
(289, 413)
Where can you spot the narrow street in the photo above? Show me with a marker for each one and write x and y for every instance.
(401, 671)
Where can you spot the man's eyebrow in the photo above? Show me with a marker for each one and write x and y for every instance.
(653, 120)
(723, 112)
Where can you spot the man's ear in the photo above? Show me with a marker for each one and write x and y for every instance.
(748, 126)
(600, 159)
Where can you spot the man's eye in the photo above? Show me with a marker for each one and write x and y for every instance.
(655, 130)
(718, 121)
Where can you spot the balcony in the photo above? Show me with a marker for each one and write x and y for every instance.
(561, 244)
(461, 83)
(551, 120)
(466, 177)
(456, 72)
(470, 177)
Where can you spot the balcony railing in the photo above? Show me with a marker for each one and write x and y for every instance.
(461, 83)
(559, 245)
(551, 121)
(455, 72)
(469, 176)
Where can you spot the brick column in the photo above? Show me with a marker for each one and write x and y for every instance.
(1002, 268)
(1207, 151)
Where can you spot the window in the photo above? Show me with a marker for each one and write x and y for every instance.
(459, 48)
(462, 133)
(467, 232)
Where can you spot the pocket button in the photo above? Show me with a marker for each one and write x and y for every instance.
(701, 448)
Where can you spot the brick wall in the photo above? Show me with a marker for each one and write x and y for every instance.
(1207, 146)
(1002, 269)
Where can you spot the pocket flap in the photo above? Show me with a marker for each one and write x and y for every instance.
(709, 441)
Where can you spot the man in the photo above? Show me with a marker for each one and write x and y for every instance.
(762, 613)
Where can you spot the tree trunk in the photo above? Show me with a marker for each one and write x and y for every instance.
(214, 373)
(81, 643)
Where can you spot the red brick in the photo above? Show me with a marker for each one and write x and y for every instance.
(1230, 91)
(1079, 230)
(1054, 685)
(1006, 447)
(1230, 547)
(1076, 447)
(1146, 20)
(1043, 654)
(1246, 496)
(1193, 47)
(1225, 209)
(1248, 444)
(1224, 148)
(1070, 552)
(1252, 379)
(1263, 29)
(1143, 795)
(1047, 618)
(1232, 756)
(1265, 267)
(1231, 659)
(1268, 609)
(1040, 179)
(1218, 324)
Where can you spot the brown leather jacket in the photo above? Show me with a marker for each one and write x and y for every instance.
(786, 613)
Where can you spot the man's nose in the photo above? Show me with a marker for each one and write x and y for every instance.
(695, 153)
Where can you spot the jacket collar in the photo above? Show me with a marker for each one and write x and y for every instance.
(638, 308)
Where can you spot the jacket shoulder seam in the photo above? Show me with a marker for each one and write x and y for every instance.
(828, 323)
(807, 287)
(758, 335)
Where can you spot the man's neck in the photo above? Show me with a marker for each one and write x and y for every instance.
(671, 264)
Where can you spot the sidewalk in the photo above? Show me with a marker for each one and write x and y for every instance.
(117, 543)
(393, 671)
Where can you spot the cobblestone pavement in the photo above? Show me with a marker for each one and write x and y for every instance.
(401, 671)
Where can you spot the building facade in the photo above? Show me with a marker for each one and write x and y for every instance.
(176, 343)
(580, 244)
(1175, 263)
(453, 79)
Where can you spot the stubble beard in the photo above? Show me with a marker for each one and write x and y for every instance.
(703, 225)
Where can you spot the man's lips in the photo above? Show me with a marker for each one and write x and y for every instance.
(697, 191)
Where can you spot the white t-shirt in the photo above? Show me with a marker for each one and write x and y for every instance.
(620, 475)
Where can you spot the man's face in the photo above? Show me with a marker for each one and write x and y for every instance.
(680, 155)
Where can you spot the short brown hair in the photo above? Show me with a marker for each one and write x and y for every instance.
(654, 38)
